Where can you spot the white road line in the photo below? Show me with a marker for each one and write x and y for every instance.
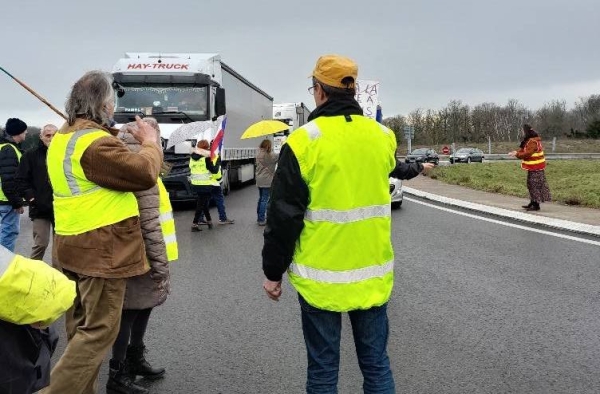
(535, 230)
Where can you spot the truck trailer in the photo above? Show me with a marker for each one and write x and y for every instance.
(179, 88)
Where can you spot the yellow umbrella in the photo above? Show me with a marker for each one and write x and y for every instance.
(264, 127)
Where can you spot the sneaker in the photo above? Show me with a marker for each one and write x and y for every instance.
(196, 227)
(210, 225)
(226, 221)
(201, 222)
(262, 223)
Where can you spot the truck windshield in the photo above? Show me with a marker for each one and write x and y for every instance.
(192, 101)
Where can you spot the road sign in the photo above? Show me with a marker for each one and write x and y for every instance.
(445, 150)
(409, 132)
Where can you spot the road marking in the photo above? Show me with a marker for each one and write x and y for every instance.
(535, 230)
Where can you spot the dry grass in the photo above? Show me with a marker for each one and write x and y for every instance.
(572, 182)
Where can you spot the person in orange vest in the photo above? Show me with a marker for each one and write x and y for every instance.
(533, 161)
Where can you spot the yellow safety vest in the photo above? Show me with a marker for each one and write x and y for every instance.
(536, 161)
(167, 222)
(31, 291)
(344, 258)
(199, 174)
(79, 204)
(217, 177)
(18, 152)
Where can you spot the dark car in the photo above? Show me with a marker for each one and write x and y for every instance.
(423, 155)
(466, 155)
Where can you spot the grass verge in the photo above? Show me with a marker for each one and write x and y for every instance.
(572, 182)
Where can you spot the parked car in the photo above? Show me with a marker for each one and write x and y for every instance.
(396, 192)
(423, 155)
(466, 155)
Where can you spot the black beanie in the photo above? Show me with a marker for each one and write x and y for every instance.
(15, 126)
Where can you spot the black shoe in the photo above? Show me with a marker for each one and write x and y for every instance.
(534, 207)
(528, 205)
(196, 227)
(120, 380)
(137, 364)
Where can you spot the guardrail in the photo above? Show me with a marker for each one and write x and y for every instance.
(549, 156)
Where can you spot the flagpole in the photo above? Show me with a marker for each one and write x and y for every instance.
(43, 100)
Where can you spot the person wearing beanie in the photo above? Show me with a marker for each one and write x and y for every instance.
(11, 203)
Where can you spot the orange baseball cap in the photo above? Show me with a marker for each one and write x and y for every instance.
(332, 69)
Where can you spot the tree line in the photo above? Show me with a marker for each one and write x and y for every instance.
(460, 123)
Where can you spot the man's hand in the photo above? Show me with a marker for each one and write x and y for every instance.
(20, 210)
(273, 289)
(427, 167)
(512, 153)
(142, 131)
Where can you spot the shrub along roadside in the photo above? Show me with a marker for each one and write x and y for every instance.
(572, 182)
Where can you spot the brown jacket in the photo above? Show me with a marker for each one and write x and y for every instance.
(150, 289)
(117, 250)
(529, 149)
(265, 168)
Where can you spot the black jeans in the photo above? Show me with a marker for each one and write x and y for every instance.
(203, 194)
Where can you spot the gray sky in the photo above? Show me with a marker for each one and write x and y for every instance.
(424, 52)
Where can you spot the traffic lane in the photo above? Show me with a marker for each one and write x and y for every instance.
(479, 307)
(455, 326)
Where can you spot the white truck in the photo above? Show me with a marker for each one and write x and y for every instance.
(294, 115)
(179, 88)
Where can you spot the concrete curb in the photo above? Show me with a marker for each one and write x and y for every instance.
(559, 224)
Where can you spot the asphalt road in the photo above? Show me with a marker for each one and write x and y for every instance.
(477, 308)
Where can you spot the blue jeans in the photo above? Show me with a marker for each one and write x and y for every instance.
(263, 199)
(10, 224)
(217, 196)
(216, 193)
(322, 331)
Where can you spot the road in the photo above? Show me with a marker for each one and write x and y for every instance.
(478, 307)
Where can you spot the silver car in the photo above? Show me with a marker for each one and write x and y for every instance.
(396, 192)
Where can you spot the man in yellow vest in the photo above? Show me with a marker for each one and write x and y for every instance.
(98, 242)
(329, 226)
(11, 203)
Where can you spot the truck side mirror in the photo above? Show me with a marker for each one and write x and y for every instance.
(220, 107)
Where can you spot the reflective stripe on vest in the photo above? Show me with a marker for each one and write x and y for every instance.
(79, 204)
(2, 195)
(6, 257)
(536, 161)
(199, 174)
(349, 276)
(167, 222)
(344, 259)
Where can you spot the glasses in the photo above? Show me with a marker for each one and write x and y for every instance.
(311, 90)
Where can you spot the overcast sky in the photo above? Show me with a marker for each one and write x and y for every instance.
(423, 52)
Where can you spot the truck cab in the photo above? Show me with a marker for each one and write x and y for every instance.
(178, 88)
(294, 115)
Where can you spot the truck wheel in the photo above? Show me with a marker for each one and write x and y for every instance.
(226, 183)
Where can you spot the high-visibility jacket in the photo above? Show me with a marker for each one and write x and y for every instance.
(18, 152)
(31, 291)
(167, 222)
(79, 204)
(536, 161)
(219, 175)
(344, 258)
(199, 173)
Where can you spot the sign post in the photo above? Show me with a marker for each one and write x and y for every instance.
(409, 134)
